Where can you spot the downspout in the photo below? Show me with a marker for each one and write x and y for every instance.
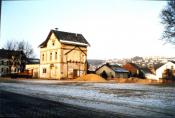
(67, 66)
(79, 64)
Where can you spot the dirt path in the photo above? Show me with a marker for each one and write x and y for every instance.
(16, 105)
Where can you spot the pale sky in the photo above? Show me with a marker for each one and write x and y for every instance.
(114, 28)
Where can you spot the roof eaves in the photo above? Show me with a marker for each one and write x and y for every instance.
(72, 42)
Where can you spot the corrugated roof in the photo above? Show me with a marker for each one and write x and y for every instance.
(115, 68)
(121, 70)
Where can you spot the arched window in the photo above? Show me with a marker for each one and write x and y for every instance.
(2, 70)
(50, 56)
(44, 70)
(53, 42)
(7, 70)
(42, 57)
(56, 55)
(2, 62)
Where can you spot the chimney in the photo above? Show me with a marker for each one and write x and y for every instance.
(56, 29)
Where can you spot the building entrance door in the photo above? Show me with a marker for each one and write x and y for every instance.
(52, 72)
(75, 73)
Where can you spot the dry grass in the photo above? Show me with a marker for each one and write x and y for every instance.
(97, 78)
(141, 81)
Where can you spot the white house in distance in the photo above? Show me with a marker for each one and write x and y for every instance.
(166, 71)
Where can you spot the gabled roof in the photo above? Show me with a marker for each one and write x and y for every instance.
(112, 66)
(67, 38)
(131, 66)
(7, 54)
(146, 70)
(156, 66)
(172, 61)
(134, 65)
(115, 68)
(74, 49)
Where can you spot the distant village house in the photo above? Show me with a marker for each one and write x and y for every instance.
(166, 71)
(11, 61)
(133, 69)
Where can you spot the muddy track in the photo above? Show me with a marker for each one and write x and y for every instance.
(17, 105)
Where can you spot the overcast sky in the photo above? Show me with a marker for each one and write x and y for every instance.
(114, 28)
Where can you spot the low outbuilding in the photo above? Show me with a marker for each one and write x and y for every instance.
(109, 71)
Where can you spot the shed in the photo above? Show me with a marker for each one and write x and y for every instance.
(112, 71)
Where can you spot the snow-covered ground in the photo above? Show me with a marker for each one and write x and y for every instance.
(131, 99)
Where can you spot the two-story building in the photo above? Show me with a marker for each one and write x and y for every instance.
(11, 61)
(63, 55)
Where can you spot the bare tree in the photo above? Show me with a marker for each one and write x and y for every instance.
(10, 45)
(20, 46)
(168, 20)
(26, 48)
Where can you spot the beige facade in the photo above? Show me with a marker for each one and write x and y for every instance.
(110, 73)
(34, 70)
(61, 60)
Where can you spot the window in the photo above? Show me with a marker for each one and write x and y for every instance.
(50, 56)
(172, 68)
(53, 42)
(2, 62)
(7, 70)
(55, 55)
(44, 70)
(2, 69)
(42, 57)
